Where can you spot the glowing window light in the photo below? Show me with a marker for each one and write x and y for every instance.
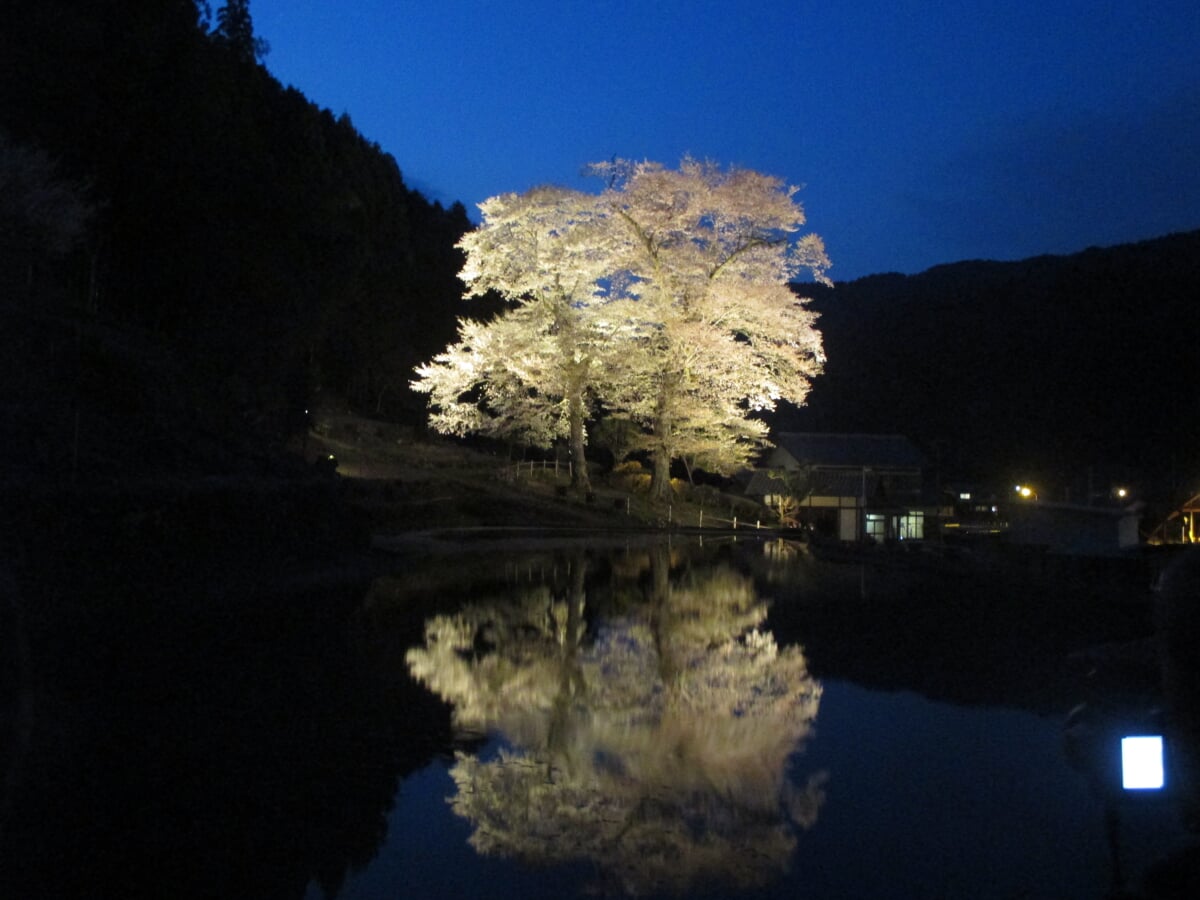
(1142, 763)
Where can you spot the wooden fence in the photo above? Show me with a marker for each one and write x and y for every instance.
(530, 467)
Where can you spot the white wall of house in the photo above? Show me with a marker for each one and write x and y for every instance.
(848, 524)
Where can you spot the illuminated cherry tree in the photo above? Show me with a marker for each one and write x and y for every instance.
(704, 257)
(665, 297)
(530, 372)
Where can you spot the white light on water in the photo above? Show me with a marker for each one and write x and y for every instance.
(1142, 763)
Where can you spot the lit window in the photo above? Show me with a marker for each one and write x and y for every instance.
(912, 526)
(876, 526)
(1142, 763)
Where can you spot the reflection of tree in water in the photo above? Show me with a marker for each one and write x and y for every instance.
(658, 750)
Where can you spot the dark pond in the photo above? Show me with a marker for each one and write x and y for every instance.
(729, 720)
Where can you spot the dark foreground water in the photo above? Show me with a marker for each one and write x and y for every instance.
(667, 720)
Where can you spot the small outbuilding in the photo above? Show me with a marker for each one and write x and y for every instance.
(1065, 529)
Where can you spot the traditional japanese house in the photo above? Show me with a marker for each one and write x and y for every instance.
(848, 486)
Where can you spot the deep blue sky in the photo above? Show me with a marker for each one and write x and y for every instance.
(921, 132)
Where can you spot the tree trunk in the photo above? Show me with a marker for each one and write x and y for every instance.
(579, 468)
(688, 466)
(660, 479)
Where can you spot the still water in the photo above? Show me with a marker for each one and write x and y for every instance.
(728, 720)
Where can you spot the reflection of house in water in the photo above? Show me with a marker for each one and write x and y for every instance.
(848, 486)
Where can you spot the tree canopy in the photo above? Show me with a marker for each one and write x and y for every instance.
(665, 300)
(532, 371)
(235, 30)
(705, 256)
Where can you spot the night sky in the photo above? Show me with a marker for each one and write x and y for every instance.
(922, 133)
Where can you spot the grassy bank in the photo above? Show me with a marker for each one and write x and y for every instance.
(403, 482)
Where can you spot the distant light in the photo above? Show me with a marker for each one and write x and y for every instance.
(1142, 763)
(1122, 492)
(1024, 490)
(965, 495)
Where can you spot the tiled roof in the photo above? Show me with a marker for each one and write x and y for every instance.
(763, 483)
(835, 483)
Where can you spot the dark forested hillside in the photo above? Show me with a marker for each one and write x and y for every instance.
(240, 252)
(1057, 367)
(192, 254)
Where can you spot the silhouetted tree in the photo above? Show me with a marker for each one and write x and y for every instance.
(235, 30)
(42, 216)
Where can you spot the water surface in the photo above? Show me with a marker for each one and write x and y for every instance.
(646, 720)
